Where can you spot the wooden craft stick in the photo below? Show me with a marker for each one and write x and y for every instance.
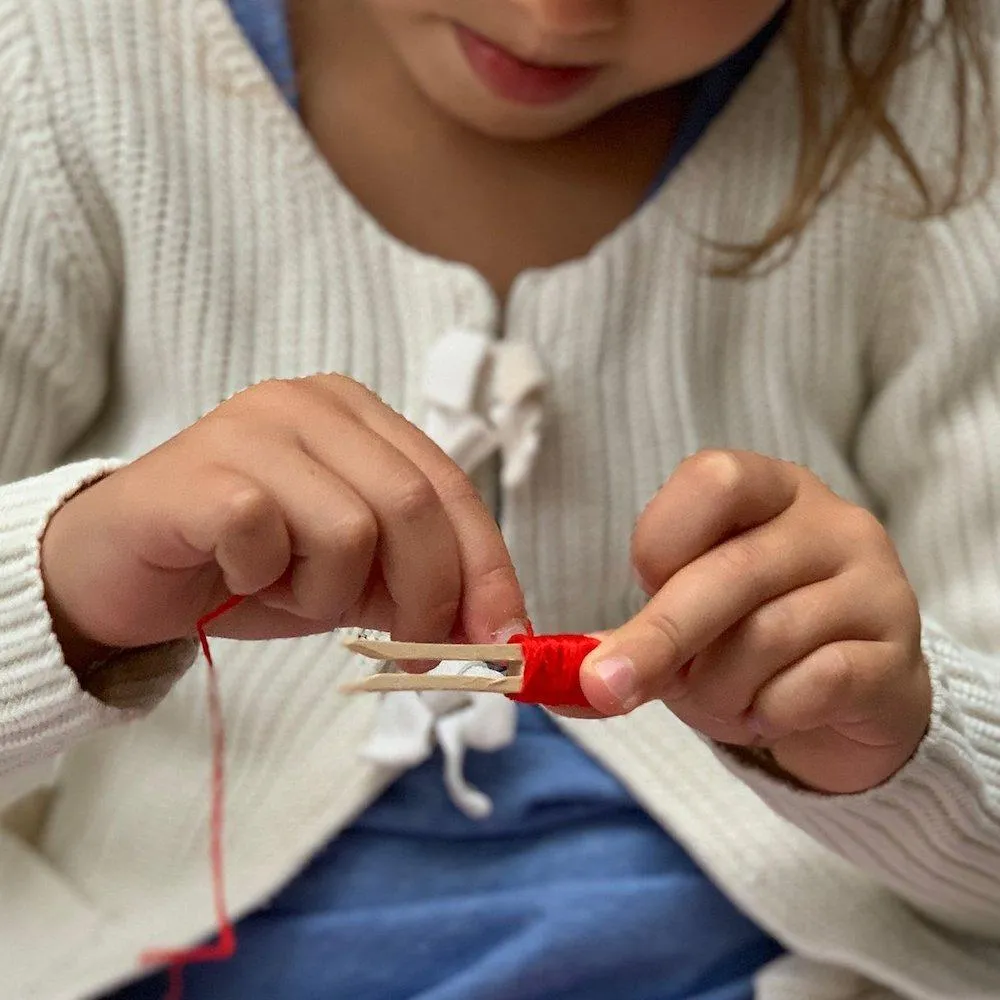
(434, 682)
(376, 649)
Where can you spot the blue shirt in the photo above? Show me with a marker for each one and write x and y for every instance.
(569, 891)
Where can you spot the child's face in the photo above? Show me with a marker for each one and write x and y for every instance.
(469, 56)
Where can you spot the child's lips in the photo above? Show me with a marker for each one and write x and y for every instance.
(515, 80)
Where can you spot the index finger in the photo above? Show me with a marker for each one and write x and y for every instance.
(492, 599)
(732, 553)
(712, 496)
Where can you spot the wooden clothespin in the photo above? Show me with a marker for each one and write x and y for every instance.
(541, 670)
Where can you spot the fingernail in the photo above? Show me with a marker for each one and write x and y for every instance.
(507, 632)
(618, 674)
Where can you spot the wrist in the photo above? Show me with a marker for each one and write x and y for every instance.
(83, 655)
(82, 651)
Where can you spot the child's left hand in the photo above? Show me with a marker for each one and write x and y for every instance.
(780, 617)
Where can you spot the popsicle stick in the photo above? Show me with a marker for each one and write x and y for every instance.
(434, 682)
(376, 649)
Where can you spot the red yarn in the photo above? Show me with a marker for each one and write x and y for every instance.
(225, 947)
(551, 675)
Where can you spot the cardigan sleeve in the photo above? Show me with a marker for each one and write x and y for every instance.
(58, 307)
(929, 449)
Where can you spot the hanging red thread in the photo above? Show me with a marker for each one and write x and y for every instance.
(551, 677)
(225, 946)
(551, 674)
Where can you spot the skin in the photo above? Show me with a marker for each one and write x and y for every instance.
(763, 631)
(458, 172)
(311, 495)
(760, 630)
(641, 45)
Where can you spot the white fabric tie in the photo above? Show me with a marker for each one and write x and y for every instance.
(483, 398)
(410, 723)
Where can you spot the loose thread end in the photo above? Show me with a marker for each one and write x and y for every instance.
(551, 677)
(224, 947)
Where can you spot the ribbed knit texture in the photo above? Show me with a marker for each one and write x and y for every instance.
(169, 235)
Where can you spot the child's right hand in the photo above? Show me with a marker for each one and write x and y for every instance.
(312, 495)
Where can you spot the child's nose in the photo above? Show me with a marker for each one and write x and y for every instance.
(575, 17)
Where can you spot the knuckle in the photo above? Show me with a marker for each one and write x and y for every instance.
(222, 431)
(742, 558)
(272, 393)
(248, 508)
(833, 678)
(769, 630)
(262, 412)
(861, 527)
(276, 388)
(892, 604)
(348, 384)
(666, 630)
(355, 533)
(297, 401)
(345, 388)
(496, 578)
(412, 499)
(455, 487)
(720, 473)
(908, 617)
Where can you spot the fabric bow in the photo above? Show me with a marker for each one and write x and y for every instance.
(485, 397)
(410, 723)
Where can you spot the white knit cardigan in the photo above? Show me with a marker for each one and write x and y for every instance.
(168, 235)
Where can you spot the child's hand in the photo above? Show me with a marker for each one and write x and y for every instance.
(780, 617)
(312, 495)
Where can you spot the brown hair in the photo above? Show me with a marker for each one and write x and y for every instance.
(834, 139)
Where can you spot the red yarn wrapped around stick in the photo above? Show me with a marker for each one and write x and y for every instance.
(551, 675)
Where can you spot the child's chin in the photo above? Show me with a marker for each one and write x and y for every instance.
(516, 123)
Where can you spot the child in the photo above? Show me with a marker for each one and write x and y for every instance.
(223, 298)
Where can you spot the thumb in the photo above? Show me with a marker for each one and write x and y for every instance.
(636, 663)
